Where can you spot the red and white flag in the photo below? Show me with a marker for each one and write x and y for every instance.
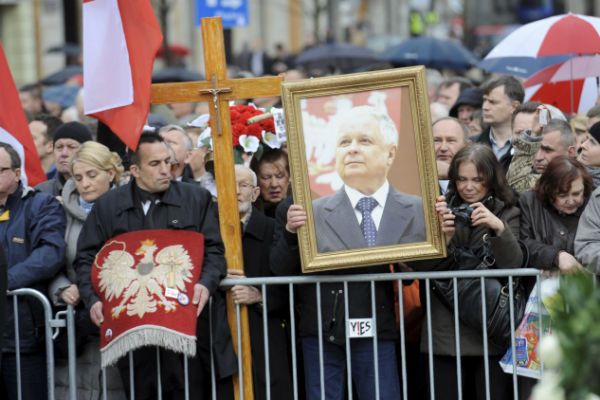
(120, 41)
(14, 129)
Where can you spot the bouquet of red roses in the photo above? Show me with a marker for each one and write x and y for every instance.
(251, 128)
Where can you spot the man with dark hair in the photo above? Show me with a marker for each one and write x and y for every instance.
(152, 200)
(31, 99)
(501, 96)
(535, 144)
(67, 140)
(32, 230)
(451, 88)
(42, 128)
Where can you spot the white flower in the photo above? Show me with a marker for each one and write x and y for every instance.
(249, 143)
(205, 139)
(550, 351)
(548, 388)
(271, 140)
(200, 122)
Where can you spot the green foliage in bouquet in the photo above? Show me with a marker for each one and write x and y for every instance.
(576, 324)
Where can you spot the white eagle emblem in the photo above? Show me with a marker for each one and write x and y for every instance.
(141, 287)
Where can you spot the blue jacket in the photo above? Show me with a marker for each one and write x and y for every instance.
(33, 240)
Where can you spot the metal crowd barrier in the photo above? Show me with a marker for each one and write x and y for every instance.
(62, 319)
(426, 277)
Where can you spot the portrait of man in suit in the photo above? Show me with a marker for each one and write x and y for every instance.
(367, 211)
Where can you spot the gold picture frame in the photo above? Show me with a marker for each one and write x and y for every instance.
(312, 108)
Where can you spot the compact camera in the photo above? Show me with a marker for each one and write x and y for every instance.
(462, 213)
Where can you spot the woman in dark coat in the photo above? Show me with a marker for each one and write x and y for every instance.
(477, 183)
(550, 214)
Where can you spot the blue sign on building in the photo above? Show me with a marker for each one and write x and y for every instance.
(233, 12)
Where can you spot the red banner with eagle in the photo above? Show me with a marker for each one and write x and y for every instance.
(145, 280)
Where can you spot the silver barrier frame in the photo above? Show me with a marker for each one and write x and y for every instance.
(50, 324)
(427, 277)
(291, 282)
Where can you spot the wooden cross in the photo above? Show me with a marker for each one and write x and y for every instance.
(218, 91)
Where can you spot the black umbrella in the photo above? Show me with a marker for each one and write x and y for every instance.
(69, 49)
(343, 56)
(176, 74)
(60, 77)
(431, 52)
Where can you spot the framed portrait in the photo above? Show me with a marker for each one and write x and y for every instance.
(363, 167)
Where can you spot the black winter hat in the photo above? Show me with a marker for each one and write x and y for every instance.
(595, 131)
(470, 97)
(73, 130)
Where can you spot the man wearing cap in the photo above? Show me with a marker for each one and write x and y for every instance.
(469, 100)
(67, 140)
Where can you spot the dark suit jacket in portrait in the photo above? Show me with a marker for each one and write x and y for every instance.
(337, 227)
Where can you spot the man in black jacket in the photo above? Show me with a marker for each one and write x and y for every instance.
(153, 201)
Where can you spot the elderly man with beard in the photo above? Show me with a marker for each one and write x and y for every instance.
(256, 243)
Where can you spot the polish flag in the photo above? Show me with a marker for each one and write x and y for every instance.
(120, 41)
(14, 129)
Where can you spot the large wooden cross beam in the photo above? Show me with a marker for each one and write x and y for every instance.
(217, 90)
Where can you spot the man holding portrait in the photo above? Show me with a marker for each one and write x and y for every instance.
(366, 212)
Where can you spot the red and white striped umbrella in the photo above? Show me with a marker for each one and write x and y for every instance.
(572, 69)
(559, 34)
(571, 97)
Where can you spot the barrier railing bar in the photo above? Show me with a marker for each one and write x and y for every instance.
(348, 353)
(402, 340)
(486, 365)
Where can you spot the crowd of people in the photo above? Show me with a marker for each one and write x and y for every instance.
(527, 174)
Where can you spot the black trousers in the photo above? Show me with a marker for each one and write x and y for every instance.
(473, 378)
(172, 376)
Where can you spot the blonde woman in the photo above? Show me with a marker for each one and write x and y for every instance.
(94, 171)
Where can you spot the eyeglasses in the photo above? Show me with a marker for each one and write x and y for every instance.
(245, 186)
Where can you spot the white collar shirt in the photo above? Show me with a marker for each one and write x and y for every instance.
(380, 196)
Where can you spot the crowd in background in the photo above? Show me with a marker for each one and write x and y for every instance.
(527, 171)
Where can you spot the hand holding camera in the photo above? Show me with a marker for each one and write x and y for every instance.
(477, 214)
(482, 216)
(446, 218)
